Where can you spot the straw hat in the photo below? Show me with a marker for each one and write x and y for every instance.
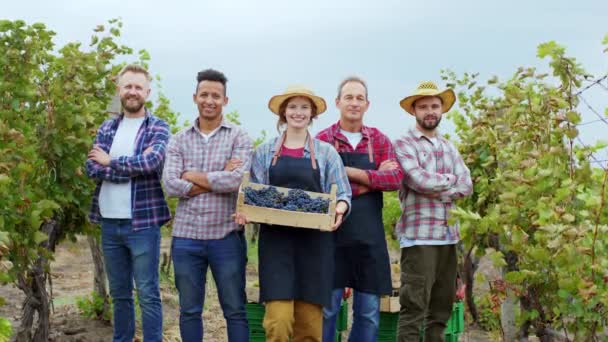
(428, 88)
(296, 90)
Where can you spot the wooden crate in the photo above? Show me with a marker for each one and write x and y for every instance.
(390, 303)
(287, 217)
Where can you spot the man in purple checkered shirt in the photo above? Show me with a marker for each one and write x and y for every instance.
(204, 167)
(434, 177)
(126, 161)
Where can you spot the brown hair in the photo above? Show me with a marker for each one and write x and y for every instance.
(351, 79)
(283, 107)
(134, 68)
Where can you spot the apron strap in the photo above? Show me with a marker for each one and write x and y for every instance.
(279, 146)
(370, 150)
(311, 147)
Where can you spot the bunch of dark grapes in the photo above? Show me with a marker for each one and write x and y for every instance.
(296, 200)
(268, 197)
(299, 199)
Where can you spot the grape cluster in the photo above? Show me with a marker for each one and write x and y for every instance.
(268, 197)
(301, 200)
(296, 200)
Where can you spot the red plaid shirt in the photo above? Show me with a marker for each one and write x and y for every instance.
(382, 148)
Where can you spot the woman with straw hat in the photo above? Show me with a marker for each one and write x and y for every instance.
(296, 265)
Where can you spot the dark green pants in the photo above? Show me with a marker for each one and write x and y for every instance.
(428, 287)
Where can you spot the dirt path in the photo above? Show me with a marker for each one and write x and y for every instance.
(72, 277)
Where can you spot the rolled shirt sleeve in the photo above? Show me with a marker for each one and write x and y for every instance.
(174, 167)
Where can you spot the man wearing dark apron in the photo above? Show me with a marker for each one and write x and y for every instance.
(362, 261)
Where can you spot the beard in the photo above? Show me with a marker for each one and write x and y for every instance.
(428, 125)
(132, 107)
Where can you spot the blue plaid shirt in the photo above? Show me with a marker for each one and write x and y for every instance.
(148, 205)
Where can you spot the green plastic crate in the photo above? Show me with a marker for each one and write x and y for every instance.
(393, 337)
(388, 321)
(255, 316)
(388, 337)
(456, 321)
(342, 320)
(387, 331)
(452, 337)
(257, 337)
(255, 311)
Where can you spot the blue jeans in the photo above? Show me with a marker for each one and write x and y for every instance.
(366, 317)
(227, 258)
(132, 255)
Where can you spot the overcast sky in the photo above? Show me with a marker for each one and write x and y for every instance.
(264, 45)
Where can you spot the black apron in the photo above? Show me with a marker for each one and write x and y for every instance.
(362, 260)
(296, 263)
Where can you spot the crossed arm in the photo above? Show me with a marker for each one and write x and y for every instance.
(200, 181)
(387, 177)
(101, 166)
(363, 178)
(446, 187)
(183, 183)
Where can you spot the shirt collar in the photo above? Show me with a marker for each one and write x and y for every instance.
(273, 146)
(419, 135)
(224, 123)
(121, 116)
(335, 129)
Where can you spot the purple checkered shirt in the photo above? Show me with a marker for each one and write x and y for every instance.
(429, 169)
(148, 205)
(208, 215)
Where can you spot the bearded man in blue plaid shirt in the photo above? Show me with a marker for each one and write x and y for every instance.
(127, 161)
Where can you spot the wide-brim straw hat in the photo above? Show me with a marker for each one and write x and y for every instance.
(428, 88)
(296, 90)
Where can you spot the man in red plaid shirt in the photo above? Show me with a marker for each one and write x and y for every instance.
(362, 261)
(434, 177)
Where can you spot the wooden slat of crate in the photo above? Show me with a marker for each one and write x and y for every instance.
(389, 304)
(286, 217)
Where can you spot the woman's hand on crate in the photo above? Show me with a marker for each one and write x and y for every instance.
(240, 219)
(341, 208)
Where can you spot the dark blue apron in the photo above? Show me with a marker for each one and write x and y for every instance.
(296, 263)
(362, 260)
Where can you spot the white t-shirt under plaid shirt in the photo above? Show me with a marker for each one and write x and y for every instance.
(208, 215)
(429, 168)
